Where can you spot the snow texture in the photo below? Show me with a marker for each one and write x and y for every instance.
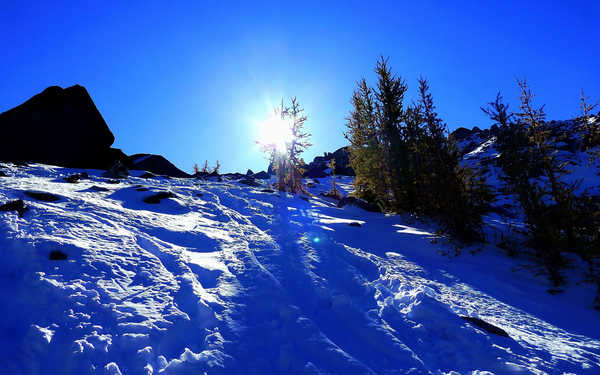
(227, 279)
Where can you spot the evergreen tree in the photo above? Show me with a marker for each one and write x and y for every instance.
(288, 163)
(298, 144)
(557, 219)
(366, 157)
(404, 160)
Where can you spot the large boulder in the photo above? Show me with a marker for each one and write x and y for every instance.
(156, 164)
(317, 168)
(59, 127)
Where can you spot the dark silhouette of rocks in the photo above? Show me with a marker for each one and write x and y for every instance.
(57, 255)
(2, 174)
(249, 172)
(232, 176)
(58, 127)
(262, 175)
(317, 168)
(148, 175)
(99, 188)
(16, 205)
(42, 196)
(156, 198)
(250, 182)
(485, 326)
(118, 170)
(74, 178)
(156, 164)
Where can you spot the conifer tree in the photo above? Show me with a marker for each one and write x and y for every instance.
(205, 167)
(366, 157)
(288, 162)
(404, 160)
(298, 144)
(589, 126)
(216, 168)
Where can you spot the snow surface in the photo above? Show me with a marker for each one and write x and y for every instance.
(228, 279)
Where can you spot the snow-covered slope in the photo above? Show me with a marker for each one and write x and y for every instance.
(226, 278)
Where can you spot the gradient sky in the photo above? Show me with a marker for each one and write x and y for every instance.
(192, 79)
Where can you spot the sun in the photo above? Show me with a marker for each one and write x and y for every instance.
(275, 132)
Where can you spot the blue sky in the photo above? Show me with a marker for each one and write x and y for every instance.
(191, 80)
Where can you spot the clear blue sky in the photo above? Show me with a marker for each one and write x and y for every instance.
(191, 79)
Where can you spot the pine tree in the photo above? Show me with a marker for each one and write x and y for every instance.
(404, 160)
(366, 157)
(205, 169)
(288, 163)
(216, 168)
(299, 143)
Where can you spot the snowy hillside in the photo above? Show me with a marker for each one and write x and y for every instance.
(223, 278)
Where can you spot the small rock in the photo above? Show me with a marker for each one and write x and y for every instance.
(485, 326)
(267, 191)
(250, 182)
(114, 181)
(156, 198)
(42, 196)
(74, 178)
(355, 224)
(57, 255)
(16, 205)
(148, 175)
(99, 188)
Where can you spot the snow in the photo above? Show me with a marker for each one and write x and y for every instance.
(225, 278)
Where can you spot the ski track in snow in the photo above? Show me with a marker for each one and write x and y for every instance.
(227, 279)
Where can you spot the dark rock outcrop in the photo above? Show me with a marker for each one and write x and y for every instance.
(42, 196)
(250, 182)
(58, 127)
(156, 198)
(57, 255)
(74, 178)
(2, 174)
(485, 326)
(317, 168)
(98, 188)
(16, 205)
(262, 175)
(156, 164)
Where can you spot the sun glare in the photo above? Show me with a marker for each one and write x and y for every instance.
(275, 131)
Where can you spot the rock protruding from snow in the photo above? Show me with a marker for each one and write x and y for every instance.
(59, 127)
(16, 205)
(156, 164)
